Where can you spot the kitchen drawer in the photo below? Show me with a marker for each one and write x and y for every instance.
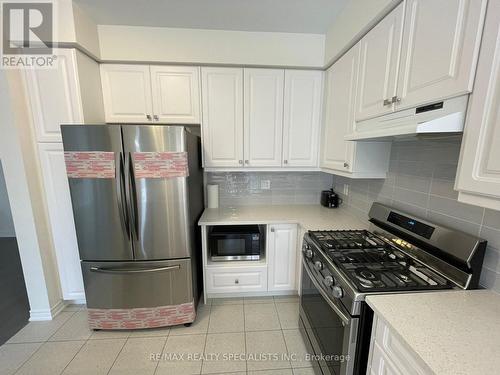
(394, 348)
(229, 279)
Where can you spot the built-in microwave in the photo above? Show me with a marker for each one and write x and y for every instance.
(236, 242)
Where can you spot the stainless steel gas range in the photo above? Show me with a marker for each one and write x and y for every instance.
(398, 254)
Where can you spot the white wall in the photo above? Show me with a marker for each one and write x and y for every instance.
(357, 17)
(85, 31)
(22, 176)
(6, 223)
(194, 46)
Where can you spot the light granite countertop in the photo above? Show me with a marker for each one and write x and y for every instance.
(309, 217)
(454, 332)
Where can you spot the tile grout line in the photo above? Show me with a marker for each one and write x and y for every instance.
(283, 335)
(245, 336)
(162, 351)
(206, 336)
(40, 342)
(74, 356)
(121, 349)
(78, 351)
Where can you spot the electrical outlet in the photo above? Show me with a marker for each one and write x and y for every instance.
(346, 190)
(265, 184)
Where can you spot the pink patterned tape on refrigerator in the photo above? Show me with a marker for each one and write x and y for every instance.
(160, 164)
(90, 164)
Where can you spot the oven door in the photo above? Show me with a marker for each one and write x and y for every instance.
(325, 323)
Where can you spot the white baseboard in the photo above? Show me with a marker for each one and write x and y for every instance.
(76, 301)
(253, 294)
(47, 314)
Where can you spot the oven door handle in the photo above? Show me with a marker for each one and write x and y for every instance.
(343, 316)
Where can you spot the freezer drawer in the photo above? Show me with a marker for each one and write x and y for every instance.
(125, 285)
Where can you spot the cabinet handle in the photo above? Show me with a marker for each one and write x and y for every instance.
(246, 161)
(240, 161)
(395, 99)
(156, 117)
(236, 281)
(346, 165)
(148, 117)
(285, 161)
(272, 229)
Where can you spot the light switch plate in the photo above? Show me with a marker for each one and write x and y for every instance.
(265, 184)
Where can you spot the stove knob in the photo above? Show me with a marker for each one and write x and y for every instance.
(329, 281)
(337, 291)
(309, 253)
(318, 265)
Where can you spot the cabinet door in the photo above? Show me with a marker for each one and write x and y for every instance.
(336, 153)
(222, 116)
(301, 118)
(62, 225)
(54, 96)
(176, 94)
(479, 169)
(282, 255)
(263, 117)
(126, 93)
(440, 47)
(378, 66)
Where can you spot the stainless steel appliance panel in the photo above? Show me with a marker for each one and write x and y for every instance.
(331, 331)
(101, 218)
(123, 285)
(158, 206)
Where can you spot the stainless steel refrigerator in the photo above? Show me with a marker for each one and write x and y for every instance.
(137, 193)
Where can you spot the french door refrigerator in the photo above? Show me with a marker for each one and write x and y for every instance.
(137, 193)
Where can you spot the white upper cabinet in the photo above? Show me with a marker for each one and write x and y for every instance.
(478, 179)
(378, 66)
(301, 118)
(282, 256)
(338, 156)
(341, 78)
(54, 96)
(127, 93)
(263, 117)
(222, 117)
(176, 94)
(441, 42)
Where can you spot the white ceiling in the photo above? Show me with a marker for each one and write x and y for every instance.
(294, 16)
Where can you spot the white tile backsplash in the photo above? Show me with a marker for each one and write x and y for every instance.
(242, 188)
(420, 181)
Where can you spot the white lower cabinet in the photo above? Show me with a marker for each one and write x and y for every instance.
(61, 219)
(276, 274)
(281, 257)
(390, 355)
(236, 279)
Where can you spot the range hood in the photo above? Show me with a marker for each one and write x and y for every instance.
(443, 117)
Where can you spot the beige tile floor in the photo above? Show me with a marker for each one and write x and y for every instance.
(224, 331)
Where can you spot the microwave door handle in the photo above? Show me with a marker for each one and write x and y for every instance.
(346, 319)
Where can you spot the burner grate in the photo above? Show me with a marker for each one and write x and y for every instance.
(374, 265)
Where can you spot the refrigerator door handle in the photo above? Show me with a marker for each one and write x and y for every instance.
(120, 194)
(132, 194)
(134, 270)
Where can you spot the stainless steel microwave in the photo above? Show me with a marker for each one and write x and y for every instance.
(236, 242)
